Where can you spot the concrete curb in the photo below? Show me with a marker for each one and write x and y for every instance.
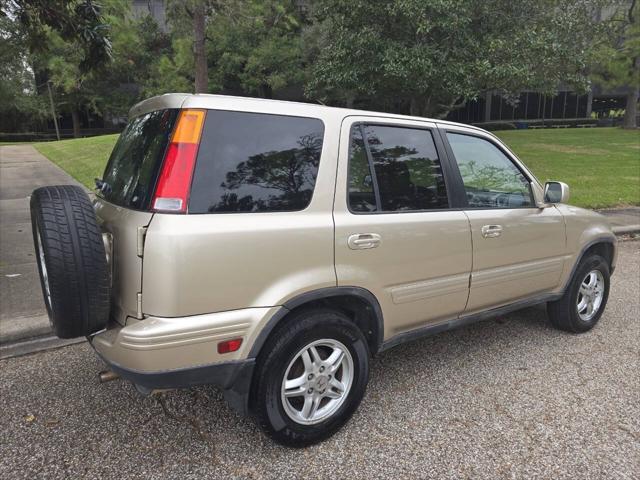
(626, 229)
(24, 328)
(33, 345)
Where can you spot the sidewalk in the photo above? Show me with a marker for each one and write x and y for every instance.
(623, 220)
(22, 312)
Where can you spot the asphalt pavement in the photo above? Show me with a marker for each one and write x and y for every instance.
(506, 398)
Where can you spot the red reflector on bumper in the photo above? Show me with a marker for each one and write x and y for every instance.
(229, 345)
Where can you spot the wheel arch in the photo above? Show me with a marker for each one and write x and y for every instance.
(359, 304)
(603, 246)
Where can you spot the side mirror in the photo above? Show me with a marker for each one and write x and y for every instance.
(556, 192)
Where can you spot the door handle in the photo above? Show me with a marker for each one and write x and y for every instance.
(364, 241)
(491, 231)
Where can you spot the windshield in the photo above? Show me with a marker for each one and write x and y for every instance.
(131, 173)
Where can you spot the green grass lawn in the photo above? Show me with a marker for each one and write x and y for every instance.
(601, 165)
(83, 158)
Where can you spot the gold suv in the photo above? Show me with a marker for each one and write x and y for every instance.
(270, 248)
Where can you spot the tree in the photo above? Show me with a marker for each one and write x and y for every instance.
(20, 105)
(189, 20)
(111, 88)
(247, 47)
(430, 57)
(80, 21)
(618, 61)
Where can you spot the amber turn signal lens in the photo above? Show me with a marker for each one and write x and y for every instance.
(189, 126)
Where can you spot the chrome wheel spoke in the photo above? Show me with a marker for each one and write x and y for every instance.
(308, 363)
(307, 407)
(315, 404)
(295, 387)
(315, 356)
(295, 392)
(335, 360)
(332, 394)
(337, 386)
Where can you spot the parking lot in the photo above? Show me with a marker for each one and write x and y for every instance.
(504, 398)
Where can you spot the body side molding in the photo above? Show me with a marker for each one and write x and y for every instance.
(492, 313)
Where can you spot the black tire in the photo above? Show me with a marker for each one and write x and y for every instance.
(563, 313)
(74, 260)
(300, 330)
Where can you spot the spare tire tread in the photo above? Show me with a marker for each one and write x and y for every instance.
(75, 260)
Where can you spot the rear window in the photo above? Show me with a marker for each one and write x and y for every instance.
(252, 162)
(136, 159)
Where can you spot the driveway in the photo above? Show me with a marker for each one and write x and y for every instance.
(22, 169)
(506, 398)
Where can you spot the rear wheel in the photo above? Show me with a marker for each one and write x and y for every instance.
(583, 303)
(311, 378)
(71, 260)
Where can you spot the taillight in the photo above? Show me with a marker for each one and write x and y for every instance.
(174, 182)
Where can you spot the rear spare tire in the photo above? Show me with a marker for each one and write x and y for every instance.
(70, 253)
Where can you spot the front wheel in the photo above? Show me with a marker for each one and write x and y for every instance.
(311, 378)
(583, 303)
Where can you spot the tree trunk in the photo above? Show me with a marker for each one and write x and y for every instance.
(416, 106)
(265, 91)
(631, 110)
(200, 54)
(75, 118)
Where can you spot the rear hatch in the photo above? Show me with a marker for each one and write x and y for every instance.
(123, 204)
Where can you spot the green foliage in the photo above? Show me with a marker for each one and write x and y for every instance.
(615, 62)
(429, 55)
(255, 47)
(172, 71)
(78, 21)
(19, 102)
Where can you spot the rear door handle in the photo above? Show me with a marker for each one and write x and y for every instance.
(491, 231)
(364, 241)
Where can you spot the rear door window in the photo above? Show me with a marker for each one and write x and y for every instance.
(253, 162)
(394, 169)
(134, 164)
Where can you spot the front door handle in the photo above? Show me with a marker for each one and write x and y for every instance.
(491, 231)
(364, 241)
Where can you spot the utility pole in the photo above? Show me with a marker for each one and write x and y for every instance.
(53, 110)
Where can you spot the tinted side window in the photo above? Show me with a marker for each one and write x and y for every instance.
(252, 162)
(135, 161)
(490, 178)
(361, 195)
(407, 168)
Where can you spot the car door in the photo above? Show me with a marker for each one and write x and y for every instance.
(518, 246)
(395, 233)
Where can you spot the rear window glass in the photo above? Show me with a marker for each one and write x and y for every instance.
(136, 159)
(253, 162)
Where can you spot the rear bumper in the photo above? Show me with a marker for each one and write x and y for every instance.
(233, 378)
(160, 353)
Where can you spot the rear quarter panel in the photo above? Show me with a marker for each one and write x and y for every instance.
(204, 263)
